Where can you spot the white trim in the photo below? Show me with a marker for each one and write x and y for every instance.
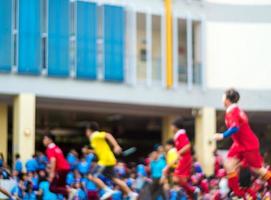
(45, 71)
(149, 48)
(13, 32)
(163, 50)
(15, 67)
(179, 132)
(189, 32)
(175, 53)
(231, 107)
(203, 53)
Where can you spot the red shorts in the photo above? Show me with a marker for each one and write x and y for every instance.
(184, 167)
(251, 158)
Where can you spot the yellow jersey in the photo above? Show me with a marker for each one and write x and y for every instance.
(102, 149)
(171, 157)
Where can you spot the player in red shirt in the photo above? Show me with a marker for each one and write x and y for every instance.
(245, 147)
(59, 167)
(184, 167)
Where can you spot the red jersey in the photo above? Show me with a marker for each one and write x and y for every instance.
(244, 139)
(54, 151)
(182, 140)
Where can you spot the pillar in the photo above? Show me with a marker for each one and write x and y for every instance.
(24, 110)
(204, 146)
(166, 128)
(4, 130)
(169, 44)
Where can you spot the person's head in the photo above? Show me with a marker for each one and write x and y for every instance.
(92, 127)
(230, 96)
(154, 155)
(169, 144)
(177, 124)
(85, 150)
(48, 139)
(17, 156)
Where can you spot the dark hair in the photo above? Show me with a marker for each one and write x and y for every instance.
(17, 156)
(170, 142)
(94, 126)
(232, 95)
(50, 136)
(245, 177)
(178, 123)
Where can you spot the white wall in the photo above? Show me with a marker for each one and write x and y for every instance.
(238, 55)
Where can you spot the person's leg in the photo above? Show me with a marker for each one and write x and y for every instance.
(255, 161)
(97, 181)
(122, 185)
(231, 165)
(58, 185)
(182, 181)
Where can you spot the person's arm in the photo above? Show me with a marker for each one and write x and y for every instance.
(184, 149)
(5, 192)
(114, 143)
(52, 169)
(231, 131)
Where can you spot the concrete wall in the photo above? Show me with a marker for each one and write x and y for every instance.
(238, 55)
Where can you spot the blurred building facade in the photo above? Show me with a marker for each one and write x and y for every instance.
(137, 57)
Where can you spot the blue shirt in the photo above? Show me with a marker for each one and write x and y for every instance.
(157, 167)
(30, 196)
(46, 194)
(90, 186)
(19, 166)
(117, 195)
(17, 191)
(70, 178)
(89, 158)
(81, 194)
(83, 167)
(35, 182)
(42, 162)
(31, 165)
(72, 160)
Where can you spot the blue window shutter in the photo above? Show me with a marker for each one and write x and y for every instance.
(86, 40)
(114, 28)
(58, 38)
(5, 36)
(29, 34)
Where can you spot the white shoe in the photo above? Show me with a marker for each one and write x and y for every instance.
(133, 196)
(107, 194)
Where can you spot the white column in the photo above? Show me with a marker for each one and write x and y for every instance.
(205, 127)
(4, 130)
(24, 110)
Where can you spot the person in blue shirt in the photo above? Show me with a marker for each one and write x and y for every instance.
(72, 159)
(42, 161)
(83, 167)
(70, 179)
(31, 164)
(17, 191)
(88, 154)
(157, 165)
(45, 192)
(80, 193)
(18, 164)
(29, 193)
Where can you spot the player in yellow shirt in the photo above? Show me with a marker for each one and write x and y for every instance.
(106, 160)
(171, 158)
